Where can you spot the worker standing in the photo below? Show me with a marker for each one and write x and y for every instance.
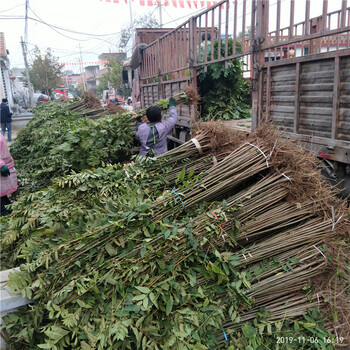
(6, 119)
(153, 135)
(8, 179)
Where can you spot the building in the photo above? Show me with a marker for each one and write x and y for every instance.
(5, 83)
(92, 74)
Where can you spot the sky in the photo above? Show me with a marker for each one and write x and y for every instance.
(95, 25)
(99, 20)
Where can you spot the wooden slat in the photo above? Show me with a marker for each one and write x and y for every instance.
(324, 15)
(219, 46)
(297, 100)
(234, 26)
(212, 33)
(291, 20)
(268, 93)
(335, 97)
(278, 20)
(206, 35)
(227, 4)
(243, 22)
(307, 17)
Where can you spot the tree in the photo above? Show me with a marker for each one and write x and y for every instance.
(45, 72)
(145, 21)
(114, 78)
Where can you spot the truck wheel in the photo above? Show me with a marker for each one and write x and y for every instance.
(337, 174)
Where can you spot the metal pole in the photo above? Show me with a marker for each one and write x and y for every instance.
(31, 101)
(160, 15)
(132, 25)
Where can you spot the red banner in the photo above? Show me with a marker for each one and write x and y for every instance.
(82, 63)
(195, 3)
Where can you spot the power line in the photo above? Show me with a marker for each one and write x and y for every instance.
(12, 8)
(69, 30)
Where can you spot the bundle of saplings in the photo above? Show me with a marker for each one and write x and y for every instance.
(57, 141)
(88, 105)
(60, 139)
(80, 201)
(228, 258)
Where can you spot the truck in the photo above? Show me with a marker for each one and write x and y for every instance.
(296, 55)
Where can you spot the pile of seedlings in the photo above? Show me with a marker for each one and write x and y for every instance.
(218, 244)
(57, 141)
(62, 138)
(89, 105)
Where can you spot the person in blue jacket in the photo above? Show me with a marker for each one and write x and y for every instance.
(6, 119)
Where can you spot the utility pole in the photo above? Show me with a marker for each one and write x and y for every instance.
(132, 25)
(31, 101)
(160, 15)
(81, 68)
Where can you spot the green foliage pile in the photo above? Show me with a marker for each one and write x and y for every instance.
(57, 141)
(225, 93)
(222, 261)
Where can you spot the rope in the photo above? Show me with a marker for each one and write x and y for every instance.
(266, 158)
(198, 146)
(173, 191)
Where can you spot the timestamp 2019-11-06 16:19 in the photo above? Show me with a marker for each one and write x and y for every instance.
(312, 340)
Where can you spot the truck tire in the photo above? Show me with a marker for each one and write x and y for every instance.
(337, 174)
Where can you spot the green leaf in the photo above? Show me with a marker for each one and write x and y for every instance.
(144, 290)
(169, 305)
(85, 346)
(110, 250)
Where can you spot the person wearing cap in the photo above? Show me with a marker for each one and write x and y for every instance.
(8, 178)
(153, 135)
(6, 119)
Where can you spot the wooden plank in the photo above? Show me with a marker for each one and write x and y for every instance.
(298, 39)
(283, 78)
(345, 86)
(243, 23)
(324, 15)
(296, 96)
(278, 20)
(227, 5)
(319, 111)
(283, 99)
(307, 17)
(335, 97)
(219, 45)
(234, 27)
(291, 20)
(316, 99)
(319, 87)
(318, 75)
(344, 99)
(289, 88)
(206, 36)
(283, 109)
(268, 93)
